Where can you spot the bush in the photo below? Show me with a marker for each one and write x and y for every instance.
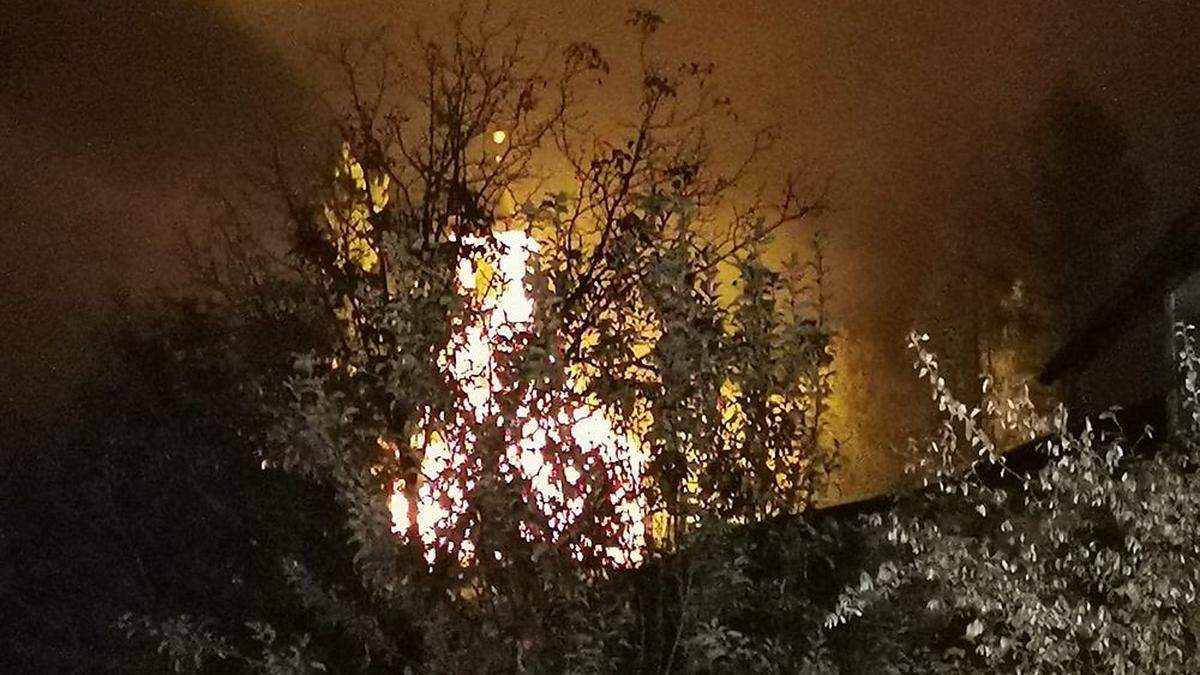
(1085, 565)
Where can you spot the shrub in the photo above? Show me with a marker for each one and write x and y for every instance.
(1085, 565)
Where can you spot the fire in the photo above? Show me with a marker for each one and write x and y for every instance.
(439, 501)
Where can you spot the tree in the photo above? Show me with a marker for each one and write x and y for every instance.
(516, 393)
(1032, 250)
(1087, 189)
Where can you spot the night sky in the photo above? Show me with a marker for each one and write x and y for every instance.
(118, 120)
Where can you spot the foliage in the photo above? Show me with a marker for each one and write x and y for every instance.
(677, 536)
(153, 499)
(1082, 566)
(652, 318)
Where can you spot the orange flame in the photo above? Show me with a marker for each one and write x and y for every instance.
(552, 482)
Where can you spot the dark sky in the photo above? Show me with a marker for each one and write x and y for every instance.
(116, 116)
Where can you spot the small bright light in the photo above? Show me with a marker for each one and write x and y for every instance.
(498, 136)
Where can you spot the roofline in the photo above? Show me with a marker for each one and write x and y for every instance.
(1161, 270)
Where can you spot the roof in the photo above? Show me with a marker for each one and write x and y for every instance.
(1172, 260)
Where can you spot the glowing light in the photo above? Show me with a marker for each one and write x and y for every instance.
(533, 456)
(498, 136)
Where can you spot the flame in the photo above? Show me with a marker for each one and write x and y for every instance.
(439, 500)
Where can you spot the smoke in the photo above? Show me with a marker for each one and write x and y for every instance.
(114, 112)
(115, 117)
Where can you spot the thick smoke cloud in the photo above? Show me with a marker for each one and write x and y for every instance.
(113, 113)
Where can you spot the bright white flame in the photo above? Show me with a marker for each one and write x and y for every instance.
(551, 478)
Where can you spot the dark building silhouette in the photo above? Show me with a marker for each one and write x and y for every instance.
(1123, 354)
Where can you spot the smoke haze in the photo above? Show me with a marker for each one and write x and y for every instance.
(116, 117)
